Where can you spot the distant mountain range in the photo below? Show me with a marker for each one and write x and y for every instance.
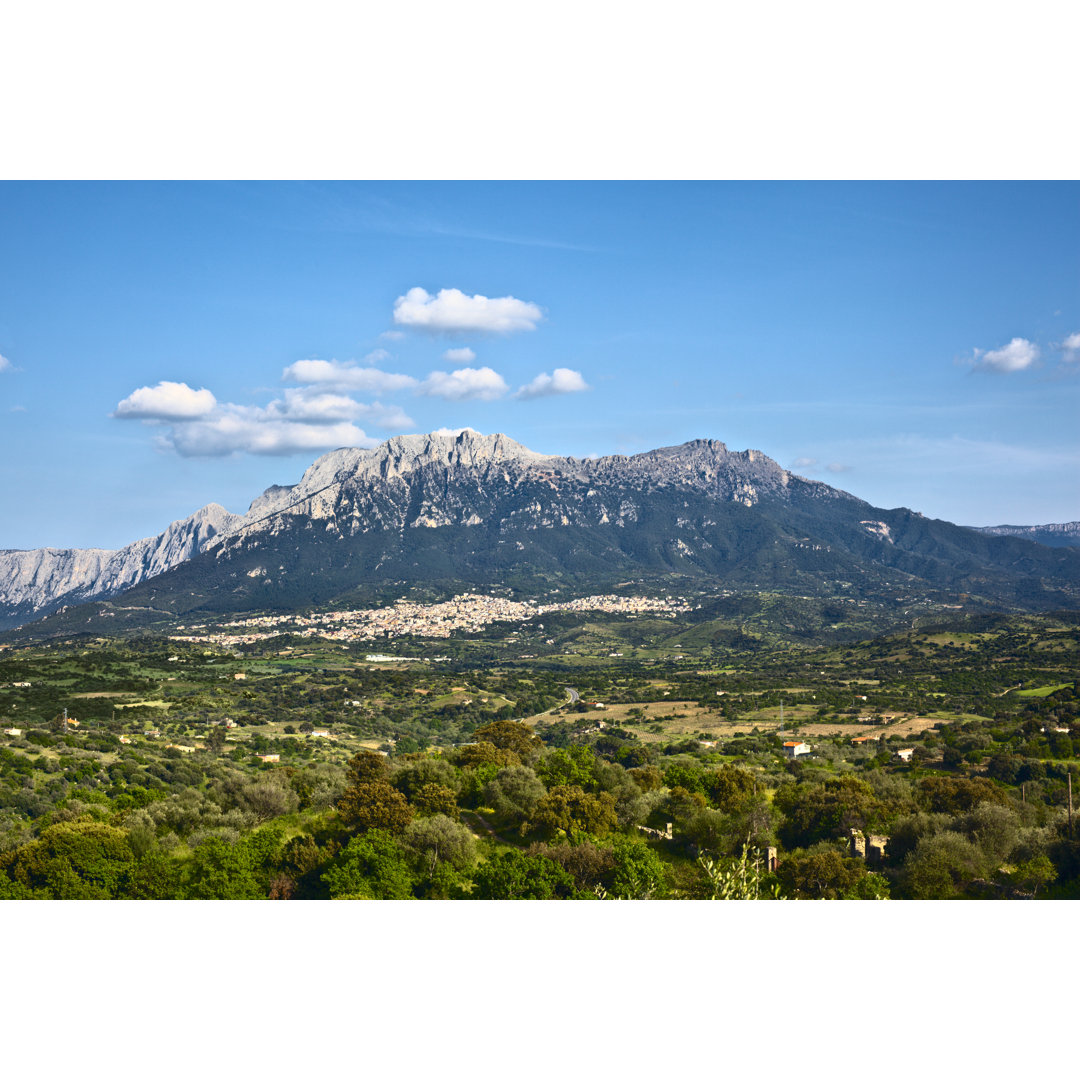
(477, 510)
(1064, 535)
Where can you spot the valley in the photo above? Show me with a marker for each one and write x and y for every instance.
(304, 766)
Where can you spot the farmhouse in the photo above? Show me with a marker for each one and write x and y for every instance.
(794, 748)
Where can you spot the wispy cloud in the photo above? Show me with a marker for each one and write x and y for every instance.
(560, 381)
(242, 429)
(503, 238)
(809, 464)
(314, 406)
(6, 364)
(475, 384)
(920, 455)
(459, 356)
(1070, 348)
(352, 208)
(451, 310)
(331, 373)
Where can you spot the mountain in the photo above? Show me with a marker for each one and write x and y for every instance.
(35, 583)
(1063, 535)
(474, 510)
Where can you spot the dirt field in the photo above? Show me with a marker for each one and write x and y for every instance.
(898, 724)
(688, 718)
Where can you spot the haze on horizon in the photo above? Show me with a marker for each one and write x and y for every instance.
(167, 345)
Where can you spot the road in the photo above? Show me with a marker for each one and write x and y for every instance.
(575, 697)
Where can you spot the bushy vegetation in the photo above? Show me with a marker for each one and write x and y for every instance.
(171, 778)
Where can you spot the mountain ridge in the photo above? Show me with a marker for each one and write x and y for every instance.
(483, 508)
(1062, 534)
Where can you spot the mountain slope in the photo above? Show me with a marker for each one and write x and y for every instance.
(1066, 534)
(476, 510)
(34, 583)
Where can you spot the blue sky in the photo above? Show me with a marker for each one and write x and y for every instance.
(166, 345)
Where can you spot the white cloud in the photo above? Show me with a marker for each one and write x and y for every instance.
(304, 419)
(315, 408)
(1018, 355)
(560, 381)
(838, 467)
(5, 364)
(376, 356)
(237, 429)
(454, 432)
(331, 373)
(459, 356)
(388, 417)
(1071, 347)
(804, 463)
(480, 384)
(166, 401)
(452, 310)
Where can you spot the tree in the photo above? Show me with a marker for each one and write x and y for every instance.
(589, 864)
(440, 839)
(155, 876)
(371, 867)
(374, 806)
(1035, 873)
(267, 799)
(958, 794)
(367, 767)
(514, 793)
(436, 799)
(74, 860)
(940, 867)
(647, 777)
(413, 775)
(729, 787)
(485, 753)
(681, 774)
(215, 739)
(569, 811)
(224, 871)
(510, 735)
(822, 874)
(639, 873)
(571, 765)
(827, 811)
(513, 875)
